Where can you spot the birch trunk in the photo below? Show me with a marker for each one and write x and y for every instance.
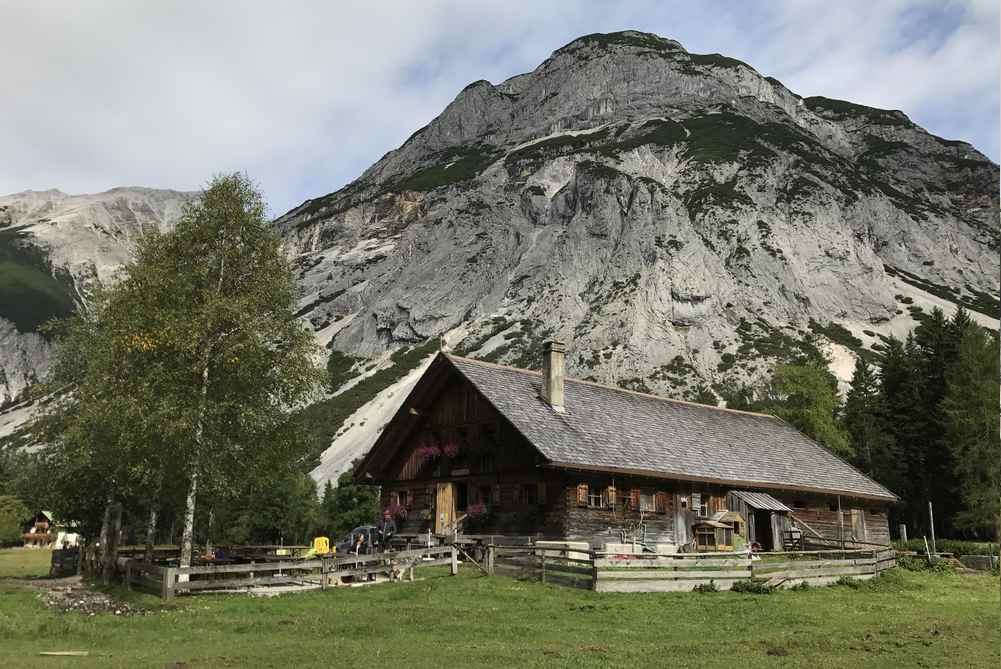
(111, 551)
(208, 531)
(187, 534)
(150, 533)
(103, 539)
(189, 507)
(189, 525)
(151, 520)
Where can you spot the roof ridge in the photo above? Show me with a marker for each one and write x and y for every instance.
(534, 372)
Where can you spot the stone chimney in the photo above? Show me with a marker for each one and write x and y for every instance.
(553, 353)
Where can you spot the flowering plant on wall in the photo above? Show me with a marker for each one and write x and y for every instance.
(450, 445)
(397, 511)
(426, 453)
(477, 510)
(428, 449)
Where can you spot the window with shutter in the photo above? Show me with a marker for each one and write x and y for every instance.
(660, 502)
(634, 499)
(646, 502)
(582, 494)
(610, 496)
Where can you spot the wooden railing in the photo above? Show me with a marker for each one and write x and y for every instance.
(313, 573)
(682, 572)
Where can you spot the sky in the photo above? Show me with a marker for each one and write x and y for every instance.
(303, 96)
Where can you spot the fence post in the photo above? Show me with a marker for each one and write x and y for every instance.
(490, 559)
(128, 574)
(594, 570)
(455, 561)
(167, 584)
(542, 565)
(324, 575)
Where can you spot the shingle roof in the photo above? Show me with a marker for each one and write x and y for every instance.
(760, 500)
(607, 428)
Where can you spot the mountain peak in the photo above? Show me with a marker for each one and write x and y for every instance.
(626, 39)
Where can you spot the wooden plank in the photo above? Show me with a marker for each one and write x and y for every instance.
(662, 585)
(257, 566)
(647, 563)
(168, 581)
(810, 564)
(229, 583)
(826, 571)
(672, 575)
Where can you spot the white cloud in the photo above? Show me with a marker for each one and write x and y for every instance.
(305, 96)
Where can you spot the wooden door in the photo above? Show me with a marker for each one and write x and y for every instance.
(682, 528)
(444, 508)
(858, 525)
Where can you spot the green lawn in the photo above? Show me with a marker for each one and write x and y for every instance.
(906, 620)
(24, 562)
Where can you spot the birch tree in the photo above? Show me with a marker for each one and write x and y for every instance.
(197, 357)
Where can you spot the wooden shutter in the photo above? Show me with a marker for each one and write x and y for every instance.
(660, 502)
(634, 499)
(610, 495)
(582, 494)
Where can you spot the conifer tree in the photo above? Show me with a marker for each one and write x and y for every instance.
(970, 409)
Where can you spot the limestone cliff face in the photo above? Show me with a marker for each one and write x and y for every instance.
(54, 249)
(669, 215)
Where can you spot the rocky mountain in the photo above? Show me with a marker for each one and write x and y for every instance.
(54, 248)
(676, 218)
(668, 214)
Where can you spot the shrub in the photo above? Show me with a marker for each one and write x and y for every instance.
(802, 585)
(954, 546)
(754, 586)
(13, 514)
(706, 587)
(849, 582)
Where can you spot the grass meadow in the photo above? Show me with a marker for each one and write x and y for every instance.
(903, 619)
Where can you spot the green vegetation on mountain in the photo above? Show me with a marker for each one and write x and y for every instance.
(29, 293)
(451, 166)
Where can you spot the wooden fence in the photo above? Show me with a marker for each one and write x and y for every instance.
(295, 574)
(682, 572)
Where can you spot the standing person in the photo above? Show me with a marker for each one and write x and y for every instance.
(387, 528)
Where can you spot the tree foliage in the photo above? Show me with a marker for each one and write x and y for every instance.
(806, 396)
(925, 424)
(187, 369)
(970, 412)
(347, 505)
(13, 515)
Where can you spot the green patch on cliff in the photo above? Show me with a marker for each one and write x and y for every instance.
(716, 60)
(820, 104)
(323, 419)
(456, 164)
(713, 194)
(981, 302)
(630, 39)
(730, 137)
(29, 293)
(662, 132)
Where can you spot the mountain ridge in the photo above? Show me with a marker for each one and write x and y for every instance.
(678, 219)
